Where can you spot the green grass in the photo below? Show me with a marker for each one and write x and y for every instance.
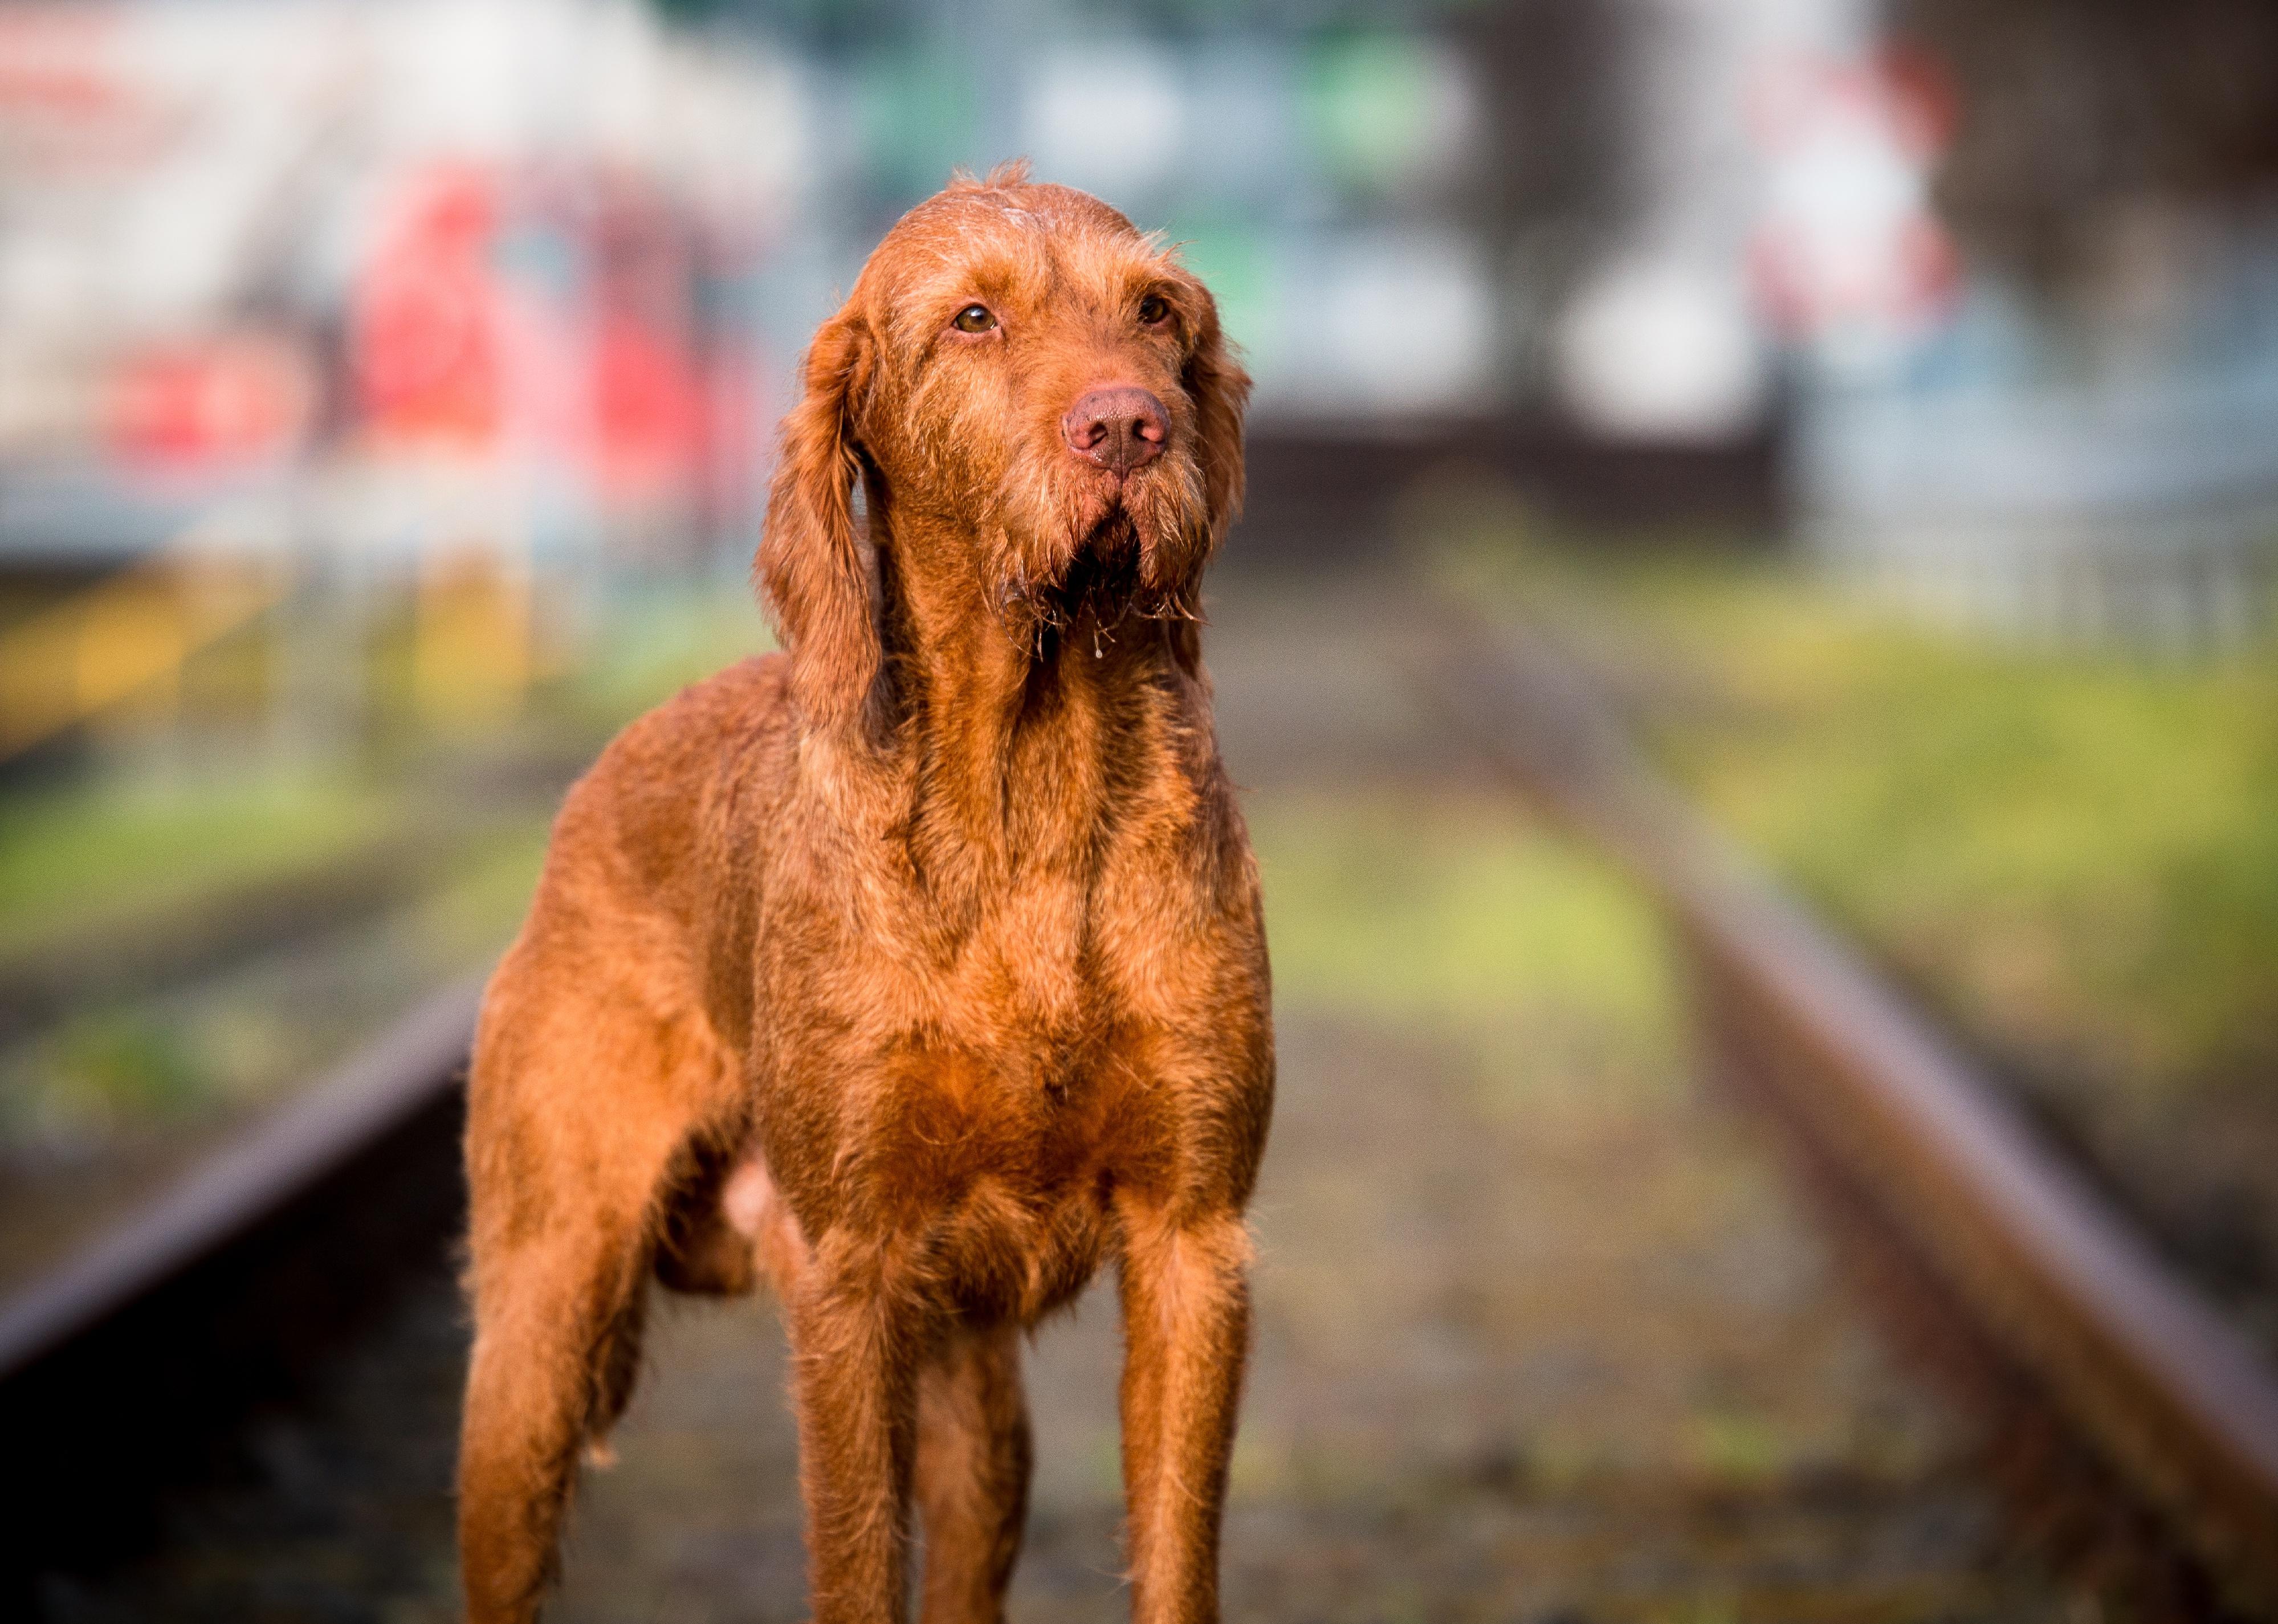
(135, 848)
(2077, 853)
(126, 847)
(165, 1063)
(1451, 912)
(656, 642)
(80, 851)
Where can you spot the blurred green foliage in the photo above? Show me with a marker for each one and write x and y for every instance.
(654, 641)
(113, 1063)
(1447, 907)
(72, 852)
(164, 844)
(1366, 98)
(246, 1031)
(2076, 851)
(917, 112)
(1453, 912)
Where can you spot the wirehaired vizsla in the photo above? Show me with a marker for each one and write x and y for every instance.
(920, 968)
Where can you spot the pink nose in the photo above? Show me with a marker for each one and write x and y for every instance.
(1121, 427)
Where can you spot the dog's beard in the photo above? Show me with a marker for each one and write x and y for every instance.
(1105, 551)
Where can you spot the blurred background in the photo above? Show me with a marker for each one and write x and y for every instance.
(1880, 400)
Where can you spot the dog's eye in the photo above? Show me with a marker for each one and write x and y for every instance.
(973, 318)
(1154, 310)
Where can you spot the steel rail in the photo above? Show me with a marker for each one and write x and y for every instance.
(410, 1067)
(2161, 1384)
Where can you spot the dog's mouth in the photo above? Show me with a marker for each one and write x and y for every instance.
(1105, 586)
(1104, 547)
(1110, 572)
(1112, 537)
(1104, 517)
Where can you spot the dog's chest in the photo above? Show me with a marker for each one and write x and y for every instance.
(1024, 1029)
(996, 1168)
(1030, 1087)
(981, 1048)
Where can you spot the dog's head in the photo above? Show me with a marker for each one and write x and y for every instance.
(1047, 386)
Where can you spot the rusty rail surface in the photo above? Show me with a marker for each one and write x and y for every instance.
(2056, 1279)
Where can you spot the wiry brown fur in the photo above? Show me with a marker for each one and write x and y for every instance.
(919, 969)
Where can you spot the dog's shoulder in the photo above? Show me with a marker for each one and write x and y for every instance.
(750, 693)
(690, 732)
(641, 811)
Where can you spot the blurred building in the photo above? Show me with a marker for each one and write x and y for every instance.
(242, 234)
(441, 311)
(450, 301)
(2081, 441)
(423, 320)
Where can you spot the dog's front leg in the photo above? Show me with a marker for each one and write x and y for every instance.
(857, 1345)
(1186, 1331)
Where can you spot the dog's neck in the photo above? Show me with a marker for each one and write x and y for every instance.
(1021, 732)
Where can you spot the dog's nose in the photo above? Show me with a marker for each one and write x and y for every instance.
(1121, 427)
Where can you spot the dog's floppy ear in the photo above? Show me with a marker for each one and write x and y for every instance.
(810, 566)
(1220, 390)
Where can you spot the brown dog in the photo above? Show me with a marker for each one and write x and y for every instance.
(920, 970)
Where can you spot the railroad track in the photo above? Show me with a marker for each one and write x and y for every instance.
(120, 1370)
(117, 1371)
(1946, 1197)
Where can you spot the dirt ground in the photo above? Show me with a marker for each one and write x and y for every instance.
(1542, 1333)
